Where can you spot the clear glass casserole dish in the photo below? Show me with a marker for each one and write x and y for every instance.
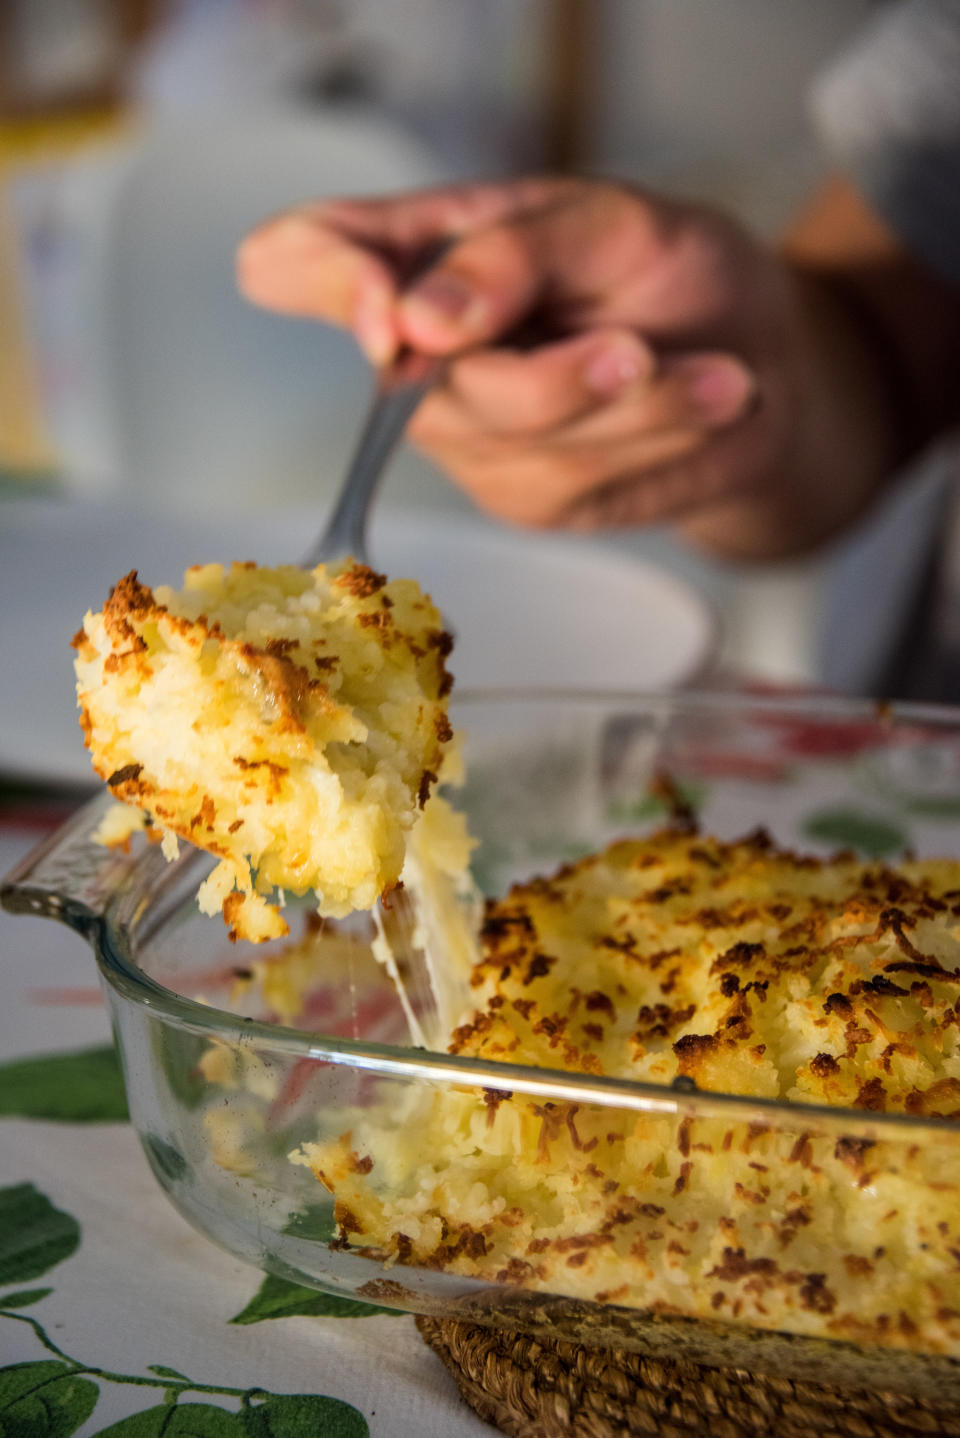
(831, 1235)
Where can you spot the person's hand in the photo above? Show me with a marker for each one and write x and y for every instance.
(680, 370)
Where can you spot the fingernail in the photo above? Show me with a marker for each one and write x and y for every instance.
(719, 387)
(612, 368)
(445, 297)
(374, 328)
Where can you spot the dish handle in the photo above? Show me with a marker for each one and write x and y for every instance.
(70, 876)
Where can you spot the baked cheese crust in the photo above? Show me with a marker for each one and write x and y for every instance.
(291, 722)
(737, 968)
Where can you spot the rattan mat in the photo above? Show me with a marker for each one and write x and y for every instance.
(545, 1388)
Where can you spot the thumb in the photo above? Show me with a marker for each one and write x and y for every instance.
(478, 291)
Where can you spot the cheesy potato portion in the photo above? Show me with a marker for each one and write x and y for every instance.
(290, 721)
(728, 967)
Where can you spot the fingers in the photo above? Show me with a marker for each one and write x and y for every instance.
(589, 390)
(299, 265)
(480, 290)
(569, 247)
(416, 220)
(345, 261)
(571, 255)
(534, 393)
(531, 440)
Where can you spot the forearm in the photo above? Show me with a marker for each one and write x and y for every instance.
(909, 316)
(876, 343)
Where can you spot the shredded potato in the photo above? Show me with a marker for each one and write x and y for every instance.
(746, 970)
(291, 722)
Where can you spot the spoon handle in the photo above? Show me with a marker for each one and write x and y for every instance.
(400, 388)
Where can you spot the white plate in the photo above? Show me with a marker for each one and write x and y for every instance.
(526, 609)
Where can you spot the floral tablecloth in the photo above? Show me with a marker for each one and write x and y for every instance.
(115, 1316)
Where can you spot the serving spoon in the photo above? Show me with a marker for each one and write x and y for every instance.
(401, 385)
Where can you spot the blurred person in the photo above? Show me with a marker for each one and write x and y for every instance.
(621, 358)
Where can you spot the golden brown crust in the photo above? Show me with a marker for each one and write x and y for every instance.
(691, 920)
(360, 580)
(314, 700)
(743, 968)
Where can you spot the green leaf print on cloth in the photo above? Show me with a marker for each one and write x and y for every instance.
(25, 1297)
(867, 835)
(34, 1236)
(302, 1415)
(82, 1087)
(53, 1397)
(45, 1400)
(263, 1415)
(186, 1420)
(278, 1298)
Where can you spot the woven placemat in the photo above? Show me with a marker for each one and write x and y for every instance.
(544, 1388)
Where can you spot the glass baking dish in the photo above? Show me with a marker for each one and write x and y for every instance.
(236, 1057)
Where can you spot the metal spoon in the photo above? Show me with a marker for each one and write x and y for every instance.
(401, 386)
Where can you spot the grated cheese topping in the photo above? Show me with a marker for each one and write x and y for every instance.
(746, 970)
(291, 722)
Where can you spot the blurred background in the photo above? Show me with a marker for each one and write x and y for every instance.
(140, 139)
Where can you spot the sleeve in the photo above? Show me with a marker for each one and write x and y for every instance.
(888, 112)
